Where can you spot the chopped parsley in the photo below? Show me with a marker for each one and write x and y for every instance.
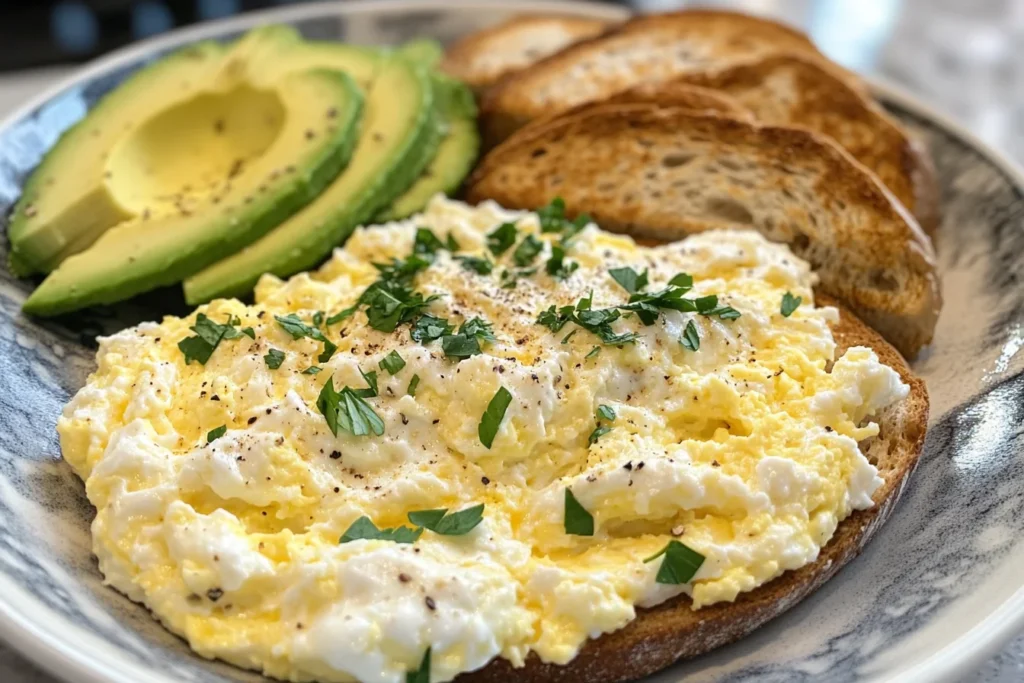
(598, 322)
(298, 329)
(510, 277)
(502, 238)
(413, 383)
(422, 674)
(481, 266)
(460, 346)
(552, 219)
(603, 413)
(593, 352)
(208, 336)
(338, 317)
(479, 328)
(789, 304)
(274, 358)
(578, 522)
(557, 267)
(449, 524)
(426, 243)
(347, 410)
(429, 327)
(598, 432)
(690, 339)
(363, 529)
(215, 434)
(318, 318)
(629, 279)
(680, 564)
(371, 383)
(392, 363)
(312, 370)
(451, 244)
(527, 251)
(492, 417)
(606, 412)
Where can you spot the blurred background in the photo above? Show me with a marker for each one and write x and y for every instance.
(965, 57)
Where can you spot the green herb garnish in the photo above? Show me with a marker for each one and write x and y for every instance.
(312, 370)
(363, 529)
(605, 413)
(557, 267)
(451, 244)
(629, 279)
(413, 383)
(274, 358)
(371, 383)
(480, 266)
(422, 674)
(552, 219)
(298, 329)
(598, 432)
(318, 318)
(578, 522)
(789, 304)
(680, 564)
(347, 410)
(510, 277)
(429, 327)
(502, 238)
(392, 363)
(426, 243)
(527, 251)
(690, 340)
(460, 346)
(453, 524)
(593, 352)
(208, 336)
(215, 434)
(492, 417)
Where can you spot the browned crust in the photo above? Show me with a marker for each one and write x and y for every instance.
(461, 58)
(507, 106)
(829, 105)
(662, 635)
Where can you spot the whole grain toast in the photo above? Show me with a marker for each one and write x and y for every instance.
(664, 634)
(482, 58)
(663, 173)
(792, 90)
(646, 48)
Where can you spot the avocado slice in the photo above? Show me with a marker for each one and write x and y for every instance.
(455, 155)
(65, 204)
(294, 138)
(423, 52)
(399, 137)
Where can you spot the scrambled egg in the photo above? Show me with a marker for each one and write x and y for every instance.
(745, 449)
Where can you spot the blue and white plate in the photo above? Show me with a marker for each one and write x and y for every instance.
(938, 591)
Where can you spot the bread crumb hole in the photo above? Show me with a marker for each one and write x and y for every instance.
(677, 159)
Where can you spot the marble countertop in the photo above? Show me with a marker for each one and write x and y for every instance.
(962, 56)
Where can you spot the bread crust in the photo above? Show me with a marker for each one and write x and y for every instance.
(605, 161)
(662, 635)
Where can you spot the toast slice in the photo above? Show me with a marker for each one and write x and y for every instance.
(646, 48)
(792, 90)
(664, 173)
(662, 635)
(481, 59)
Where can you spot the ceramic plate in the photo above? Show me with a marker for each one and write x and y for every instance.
(934, 595)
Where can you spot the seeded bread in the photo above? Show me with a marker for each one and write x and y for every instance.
(664, 173)
(645, 48)
(482, 58)
(662, 635)
(791, 90)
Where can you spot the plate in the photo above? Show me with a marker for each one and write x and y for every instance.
(938, 591)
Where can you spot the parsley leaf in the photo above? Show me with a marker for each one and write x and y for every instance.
(492, 417)
(557, 266)
(501, 238)
(690, 340)
(422, 674)
(338, 317)
(392, 363)
(451, 244)
(460, 346)
(552, 219)
(298, 329)
(510, 277)
(481, 266)
(449, 524)
(724, 313)
(555, 319)
(413, 383)
(593, 352)
(312, 370)
(578, 522)
(598, 432)
(790, 303)
(248, 332)
(629, 279)
(274, 358)
(363, 529)
(426, 243)
(208, 336)
(606, 412)
(479, 328)
(527, 251)
(428, 327)
(318, 318)
(371, 382)
(347, 410)
(215, 434)
(680, 564)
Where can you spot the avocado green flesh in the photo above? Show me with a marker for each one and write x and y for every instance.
(455, 155)
(422, 52)
(399, 136)
(65, 203)
(319, 121)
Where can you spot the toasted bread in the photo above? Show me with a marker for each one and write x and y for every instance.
(665, 173)
(791, 90)
(662, 635)
(646, 48)
(482, 58)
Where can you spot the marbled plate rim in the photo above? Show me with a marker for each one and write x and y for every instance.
(40, 642)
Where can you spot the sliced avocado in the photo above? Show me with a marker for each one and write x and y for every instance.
(294, 138)
(423, 52)
(399, 137)
(455, 155)
(65, 204)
